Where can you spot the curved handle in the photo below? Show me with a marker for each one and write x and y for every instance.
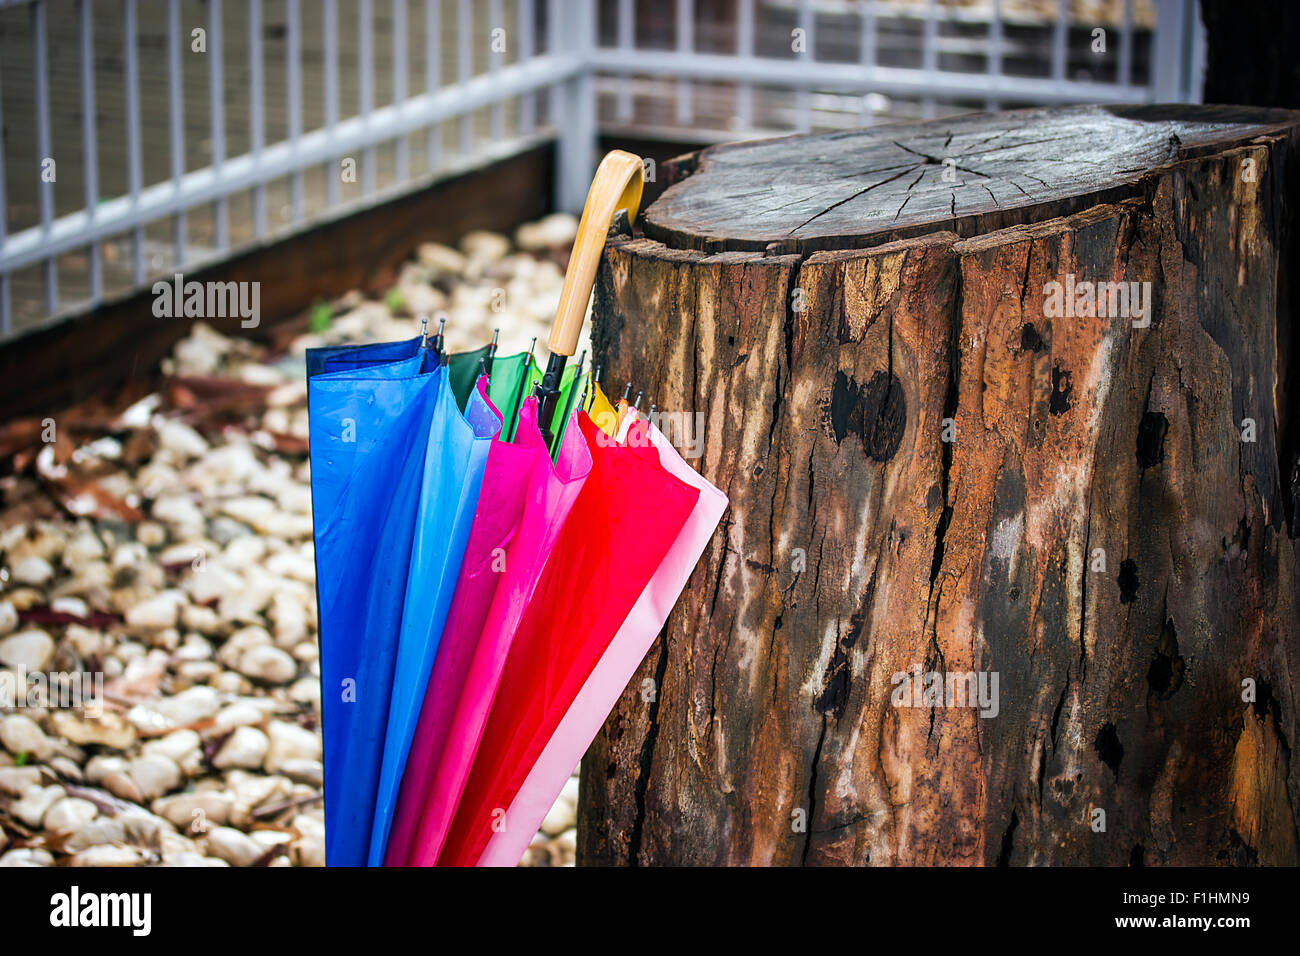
(617, 185)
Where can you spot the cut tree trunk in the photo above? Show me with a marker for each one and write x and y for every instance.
(937, 467)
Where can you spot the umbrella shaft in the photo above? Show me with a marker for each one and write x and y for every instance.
(548, 393)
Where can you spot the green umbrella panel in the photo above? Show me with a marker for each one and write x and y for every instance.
(511, 381)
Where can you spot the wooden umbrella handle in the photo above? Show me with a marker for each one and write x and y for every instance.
(617, 185)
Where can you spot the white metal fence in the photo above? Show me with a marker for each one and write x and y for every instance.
(785, 65)
(143, 137)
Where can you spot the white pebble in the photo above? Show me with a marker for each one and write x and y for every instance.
(309, 848)
(8, 617)
(559, 818)
(180, 710)
(108, 856)
(175, 746)
(162, 610)
(35, 801)
(246, 747)
(98, 831)
(243, 713)
(20, 734)
(15, 780)
(237, 849)
(69, 814)
(155, 775)
(179, 439)
(268, 664)
(151, 534)
(195, 813)
(30, 650)
(34, 570)
(69, 604)
(27, 857)
(290, 742)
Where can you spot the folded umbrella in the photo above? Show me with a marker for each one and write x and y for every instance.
(425, 654)
(621, 527)
(373, 407)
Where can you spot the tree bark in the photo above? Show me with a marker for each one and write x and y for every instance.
(930, 471)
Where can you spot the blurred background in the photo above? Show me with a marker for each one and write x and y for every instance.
(185, 131)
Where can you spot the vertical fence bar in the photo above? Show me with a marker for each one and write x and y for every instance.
(6, 319)
(867, 54)
(802, 98)
(555, 93)
(1169, 47)
(930, 53)
(685, 46)
(527, 48)
(745, 50)
(497, 114)
(1059, 34)
(1194, 50)
(571, 28)
(995, 52)
(330, 36)
(402, 145)
(134, 171)
(366, 87)
(256, 115)
(89, 145)
(176, 121)
(45, 187)
(432, 76)
(626, 45)
(867, 38)
(464, 69)
(217, 98)
(293, 67)
(1125, 72)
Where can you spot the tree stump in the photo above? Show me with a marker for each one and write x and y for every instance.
(948, 464)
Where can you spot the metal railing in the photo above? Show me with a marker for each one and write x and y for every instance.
(798, 65)
(146, 137)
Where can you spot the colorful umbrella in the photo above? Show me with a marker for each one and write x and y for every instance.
(391, 450)
(482, 605)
